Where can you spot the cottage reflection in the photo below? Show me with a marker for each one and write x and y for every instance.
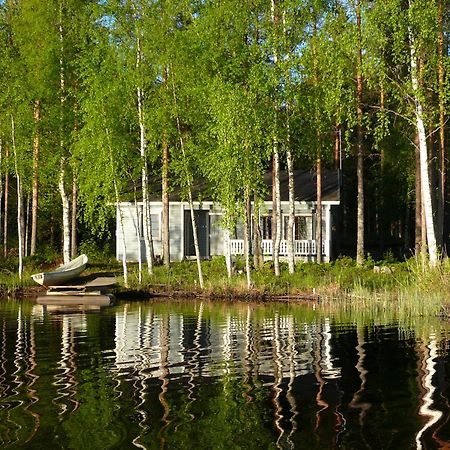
(151, 374)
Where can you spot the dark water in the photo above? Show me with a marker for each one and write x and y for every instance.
(227, 376)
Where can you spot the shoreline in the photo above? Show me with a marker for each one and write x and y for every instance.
(168, 292)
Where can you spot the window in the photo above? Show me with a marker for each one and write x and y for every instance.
(266, 227)
(300, 227)
(238, 231)
(156, 225)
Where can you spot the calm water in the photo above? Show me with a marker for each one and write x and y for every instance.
(200, 375)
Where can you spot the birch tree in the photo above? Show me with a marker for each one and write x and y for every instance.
(423, 150)
(104, 148)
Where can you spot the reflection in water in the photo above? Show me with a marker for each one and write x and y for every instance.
(357, 400)
(290, 394)
(32, 392)
(202, 375)
(65, 380)
(164, 372)
(428, 371)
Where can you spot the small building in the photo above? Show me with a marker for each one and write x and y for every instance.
(211, 234)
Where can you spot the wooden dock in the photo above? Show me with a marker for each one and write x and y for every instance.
(97, 286)
(85, 292)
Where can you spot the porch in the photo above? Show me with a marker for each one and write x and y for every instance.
(302, 248)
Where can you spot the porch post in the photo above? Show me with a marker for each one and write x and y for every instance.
(328, 234)
(182, 255)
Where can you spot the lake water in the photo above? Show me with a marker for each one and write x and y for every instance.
(182, 375)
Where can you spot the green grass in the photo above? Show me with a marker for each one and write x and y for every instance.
(339, 279)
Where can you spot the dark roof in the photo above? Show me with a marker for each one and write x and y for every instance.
(304, 186)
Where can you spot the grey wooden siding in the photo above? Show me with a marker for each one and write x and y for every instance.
(216, 235)
(132, 219)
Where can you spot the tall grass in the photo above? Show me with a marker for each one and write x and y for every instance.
(391, 281)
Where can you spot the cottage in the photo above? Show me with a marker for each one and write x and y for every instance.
(212, 236)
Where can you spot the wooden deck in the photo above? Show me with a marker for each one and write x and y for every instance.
(88, 291)
(96, 286)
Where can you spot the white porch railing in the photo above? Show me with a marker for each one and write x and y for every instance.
(301, 248)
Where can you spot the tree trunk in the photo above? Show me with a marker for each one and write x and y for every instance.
(35, 181)
(5, 218)
(423, 151)
(73, 231)
(441, 159)
(1, 183)
(290, 231)
(319, 237)
(418, 199)
(247, 238)
(165, 195)
(137, 228)
(117, 198)
(165, 204)
(359, 143)
(406, 234)
(62, 169)
(124, 247)
(147, 222)
(195, 235)
(65, 211)
(380, 218)
(189, 185)
(228, 252)
(337, 146)
(276, 223)
(20, 233)
(258, 260)
(27, 226)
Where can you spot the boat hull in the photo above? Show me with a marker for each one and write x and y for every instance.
(62, 274)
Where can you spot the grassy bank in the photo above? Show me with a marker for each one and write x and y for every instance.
(340, 278)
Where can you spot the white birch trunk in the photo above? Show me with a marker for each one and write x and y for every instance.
(62, 169)
(122, 230)
(228, 252)
(247, 241)
(137, 227)
(65, 212)
(276, 169)
(1, 183)
(423, 152)
(6, 209)
(73, 218)
(195, 235)
(147, 223)
(277, 210)
(117, 197)
(19, 201)
(290, 167)
(189, 183)
(27, 226)
(290, 231)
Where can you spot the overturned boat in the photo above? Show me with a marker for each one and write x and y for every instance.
(63, 273)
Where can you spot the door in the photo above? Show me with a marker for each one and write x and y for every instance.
(202, 221)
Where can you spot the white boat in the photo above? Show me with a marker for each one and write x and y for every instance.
(63, 273)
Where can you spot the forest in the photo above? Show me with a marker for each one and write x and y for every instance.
(100, 98)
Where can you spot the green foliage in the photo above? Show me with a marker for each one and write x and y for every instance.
(225, 78)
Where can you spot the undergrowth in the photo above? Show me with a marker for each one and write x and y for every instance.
(335, 279)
